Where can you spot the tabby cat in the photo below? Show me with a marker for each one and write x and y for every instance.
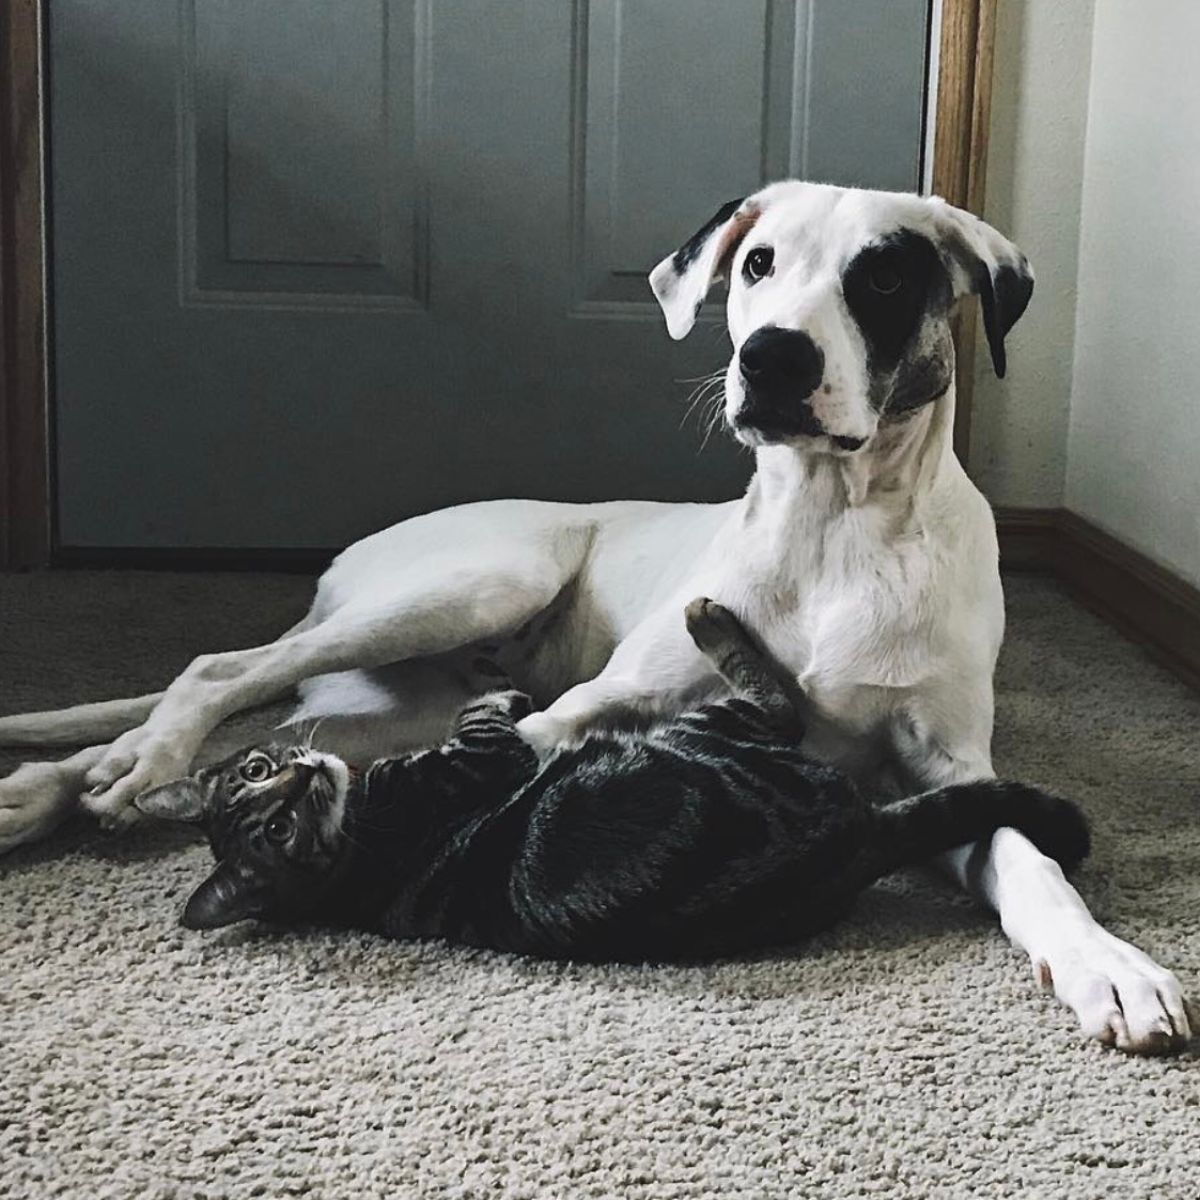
(708, 834)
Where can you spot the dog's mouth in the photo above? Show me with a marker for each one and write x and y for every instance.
(754, 427)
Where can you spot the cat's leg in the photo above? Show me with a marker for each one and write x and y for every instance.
(728, 645)
(420, 619)
(485, 739)
(1119, 995)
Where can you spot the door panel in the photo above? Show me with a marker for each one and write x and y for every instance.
(322, 264)
(301, 131)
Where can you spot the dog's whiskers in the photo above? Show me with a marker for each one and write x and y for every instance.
(702, 394)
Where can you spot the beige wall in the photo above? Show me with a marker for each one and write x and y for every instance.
(1035, 171)
(1094, 171)
(1133, 461)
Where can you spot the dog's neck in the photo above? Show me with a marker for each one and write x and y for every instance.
(889, 477)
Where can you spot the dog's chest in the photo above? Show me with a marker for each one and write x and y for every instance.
(853, 618)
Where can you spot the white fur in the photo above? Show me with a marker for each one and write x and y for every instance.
(872, 574)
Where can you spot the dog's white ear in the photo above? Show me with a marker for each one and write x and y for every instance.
(681, 281)
(180, 800)
(985, 262)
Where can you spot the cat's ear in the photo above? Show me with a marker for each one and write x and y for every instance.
(226, 896)
(180, 800)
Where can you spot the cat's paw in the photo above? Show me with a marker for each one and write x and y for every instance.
(711, 625)
(513, 704)
(34, 799)
(1120, 996)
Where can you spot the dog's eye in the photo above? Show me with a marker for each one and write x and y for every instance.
(257, 769)
(758, 263)
(279, 828)
(887, 281)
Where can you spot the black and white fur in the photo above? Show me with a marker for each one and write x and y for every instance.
(861, 552)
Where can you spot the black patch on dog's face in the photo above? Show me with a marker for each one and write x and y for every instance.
(892, 288)
(687, 253)
(889, 287)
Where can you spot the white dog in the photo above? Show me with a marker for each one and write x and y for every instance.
(861, 554)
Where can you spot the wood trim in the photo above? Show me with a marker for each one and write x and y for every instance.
(1028, 538)
(966, 46)
(216, 558)
(1144, 600)
(24, 463)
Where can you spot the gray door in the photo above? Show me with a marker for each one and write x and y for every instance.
(322, 264)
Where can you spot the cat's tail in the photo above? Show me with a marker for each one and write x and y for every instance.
(918, 827)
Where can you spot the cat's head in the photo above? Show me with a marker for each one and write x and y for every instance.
(273, 815)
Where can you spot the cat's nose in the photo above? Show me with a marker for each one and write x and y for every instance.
(300, 773)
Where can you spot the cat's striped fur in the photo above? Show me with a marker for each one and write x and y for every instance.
(705, 835)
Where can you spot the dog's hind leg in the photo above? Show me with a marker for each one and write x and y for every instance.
(365, 715)
(82, 724)
(460, 607)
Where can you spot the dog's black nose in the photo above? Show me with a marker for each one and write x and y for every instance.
(784, 363)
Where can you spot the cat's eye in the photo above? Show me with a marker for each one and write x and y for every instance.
(257, 769)
(886, 281)
(279, 828)
(759, 263)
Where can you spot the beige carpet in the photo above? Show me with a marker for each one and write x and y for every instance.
(907, 1054)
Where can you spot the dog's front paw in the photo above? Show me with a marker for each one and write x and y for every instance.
(1120, 996)
(543, 732)
(130, 767)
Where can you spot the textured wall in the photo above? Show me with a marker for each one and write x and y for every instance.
(1039, 121)
(1134, 448)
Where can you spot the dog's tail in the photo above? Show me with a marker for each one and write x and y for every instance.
(81, 725)
(918, 827)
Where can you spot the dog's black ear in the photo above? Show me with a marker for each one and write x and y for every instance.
(985, 262)
(227, 895)
(681, 281)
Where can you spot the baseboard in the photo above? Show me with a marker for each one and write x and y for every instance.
(1028, 538)
(294, 562)
(1144, 600)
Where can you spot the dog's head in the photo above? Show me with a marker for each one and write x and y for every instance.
(839, 306)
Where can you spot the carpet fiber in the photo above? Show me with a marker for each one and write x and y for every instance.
(907, 1053)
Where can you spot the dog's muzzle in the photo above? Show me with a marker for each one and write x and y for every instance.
(780, 369)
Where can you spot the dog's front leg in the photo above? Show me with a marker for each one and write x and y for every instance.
(1119, 995)
(656, 669)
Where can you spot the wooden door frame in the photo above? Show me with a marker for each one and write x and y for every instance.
(962, 114)
(962, 87)
(25, 488)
